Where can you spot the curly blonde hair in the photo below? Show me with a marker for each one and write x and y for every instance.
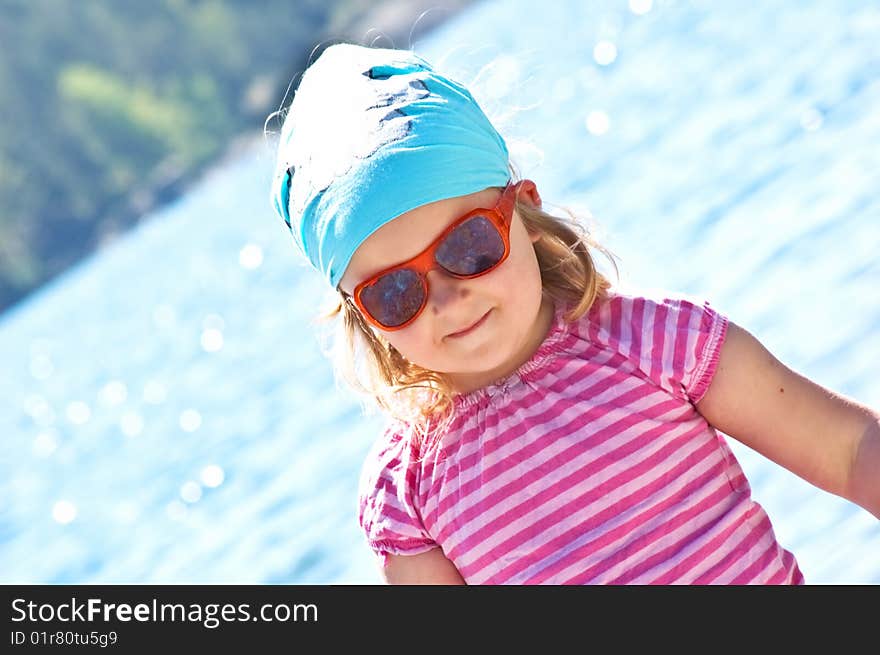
(424, 399)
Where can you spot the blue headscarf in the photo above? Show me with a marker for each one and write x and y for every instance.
(371, 134)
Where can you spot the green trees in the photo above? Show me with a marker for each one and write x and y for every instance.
(107, 105)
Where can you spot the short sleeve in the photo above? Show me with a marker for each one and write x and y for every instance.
(387, 509)
(674, 339)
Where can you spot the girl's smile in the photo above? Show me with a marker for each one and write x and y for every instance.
(469, 330)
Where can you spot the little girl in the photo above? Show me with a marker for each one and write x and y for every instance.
(545, 427)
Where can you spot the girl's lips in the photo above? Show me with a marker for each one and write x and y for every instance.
(473, 327)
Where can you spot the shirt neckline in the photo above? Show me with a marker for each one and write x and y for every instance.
(552, 342)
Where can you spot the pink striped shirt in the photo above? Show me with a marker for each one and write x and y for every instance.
(587, 465)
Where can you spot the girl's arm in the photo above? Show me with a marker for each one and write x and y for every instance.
(431, 567)
(829, 440)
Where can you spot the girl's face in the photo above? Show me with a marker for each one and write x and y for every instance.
(508, 302)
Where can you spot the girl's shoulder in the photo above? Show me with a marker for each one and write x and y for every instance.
(392, 442)
(393, 454)
(627, 309)
(672, 337)
(625, 294)
(387, 504)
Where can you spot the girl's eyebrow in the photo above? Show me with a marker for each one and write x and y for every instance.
(464, 207)
(454, 215)
(461, 208)
(375, 268)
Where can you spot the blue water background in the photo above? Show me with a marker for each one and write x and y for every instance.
(168, 417)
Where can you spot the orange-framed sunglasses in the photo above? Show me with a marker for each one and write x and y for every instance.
(473, 245)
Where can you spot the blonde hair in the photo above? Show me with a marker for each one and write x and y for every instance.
(424, 399)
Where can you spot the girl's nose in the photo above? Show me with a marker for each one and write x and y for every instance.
(444, 289)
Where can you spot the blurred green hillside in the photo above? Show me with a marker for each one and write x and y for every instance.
(110, 108)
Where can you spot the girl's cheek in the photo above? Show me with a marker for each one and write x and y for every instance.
(408, 339)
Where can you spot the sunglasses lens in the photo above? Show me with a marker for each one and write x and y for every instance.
(471, 248)
(394, 298)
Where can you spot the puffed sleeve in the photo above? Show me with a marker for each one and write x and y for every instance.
(387, 509)
(674, 339)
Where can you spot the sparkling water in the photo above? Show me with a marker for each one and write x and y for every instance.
(168, 415)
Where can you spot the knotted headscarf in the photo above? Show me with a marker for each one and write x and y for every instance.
(371, 134)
